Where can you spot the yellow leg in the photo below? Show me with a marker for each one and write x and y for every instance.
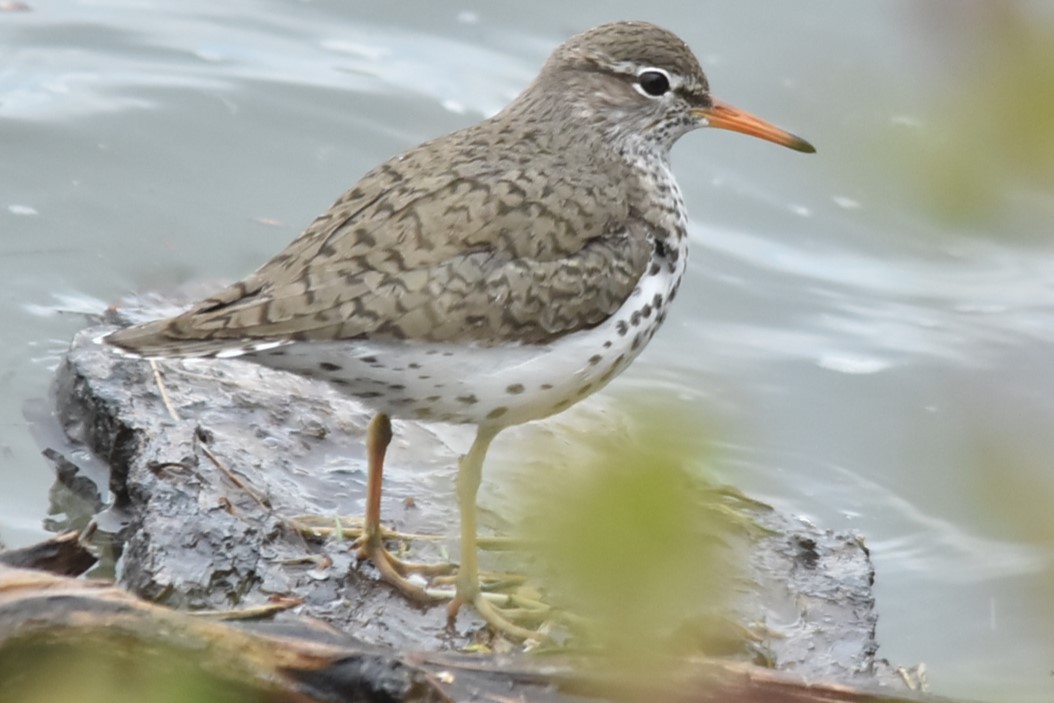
(470, 473)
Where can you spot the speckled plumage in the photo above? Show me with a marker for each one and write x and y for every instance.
(494, 275)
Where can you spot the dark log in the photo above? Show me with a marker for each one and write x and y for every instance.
(51, 627)
(62, 554)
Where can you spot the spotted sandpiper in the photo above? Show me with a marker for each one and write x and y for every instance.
(492, 276)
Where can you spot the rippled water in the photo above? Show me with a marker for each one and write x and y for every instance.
(850, 355)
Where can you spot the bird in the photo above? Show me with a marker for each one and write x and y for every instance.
(490, 277)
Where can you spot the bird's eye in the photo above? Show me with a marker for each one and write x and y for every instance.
(653, 83)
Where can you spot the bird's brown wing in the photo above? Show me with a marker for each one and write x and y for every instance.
(465, 252)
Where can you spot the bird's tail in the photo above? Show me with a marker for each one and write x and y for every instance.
(160, 339)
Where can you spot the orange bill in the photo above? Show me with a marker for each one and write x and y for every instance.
(724, 116)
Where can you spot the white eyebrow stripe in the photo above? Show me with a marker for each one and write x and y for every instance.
(674, 80)
(631, 68)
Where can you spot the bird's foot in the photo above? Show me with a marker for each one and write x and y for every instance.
(501, 602)
(501, 620)
(394, 570)
(515, 615)
(369, 544)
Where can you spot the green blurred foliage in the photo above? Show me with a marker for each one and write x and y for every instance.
(989, 133)
(118, 670)
(633, 541)
(1012, 490)
(1012, 493)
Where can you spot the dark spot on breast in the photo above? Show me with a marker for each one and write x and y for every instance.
(340, 381)
(607, 344)
(660, 248)
(595, 359)
(654, 270)
(514, 388)
(634, 319)
(546, 386)
(413, 365)
(327, 366)
(584, 390)
(636, 342)
(645, 311)
(369, 394)
(368, 359)
(469, 399)
(622, 327)
(497, 412)
(434, 398)
(396, 387)
(565, 403)
(424, 377)
(277, 352)
(657, 300)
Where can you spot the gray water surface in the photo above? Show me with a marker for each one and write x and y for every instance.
(851, 355)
